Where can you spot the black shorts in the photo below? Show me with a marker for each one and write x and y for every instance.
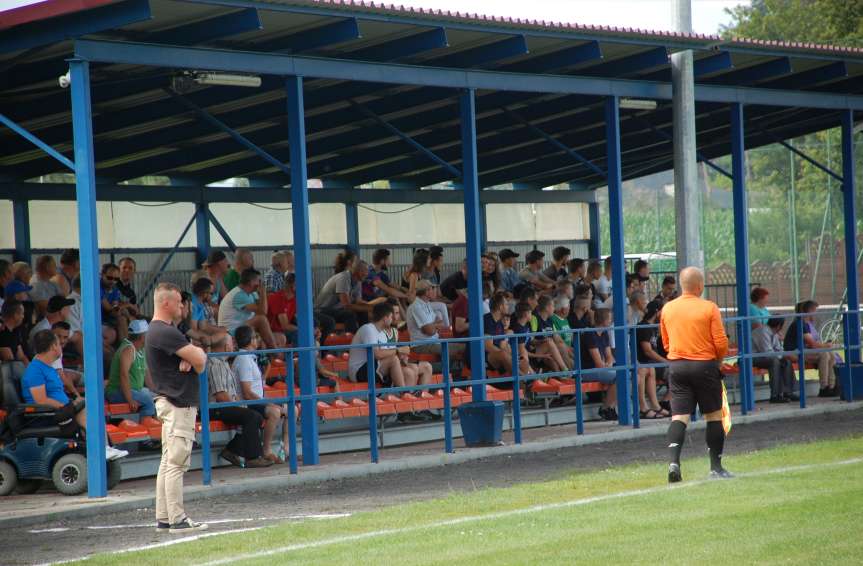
(362, 376)
(694, 382)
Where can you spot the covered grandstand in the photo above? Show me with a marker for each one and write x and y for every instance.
(360, 113)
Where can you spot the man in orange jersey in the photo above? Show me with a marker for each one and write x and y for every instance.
(695, 340)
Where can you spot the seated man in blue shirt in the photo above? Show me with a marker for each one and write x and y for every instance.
(42, 385)
(597, 357)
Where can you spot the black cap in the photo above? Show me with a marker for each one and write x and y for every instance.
(58, 302)
(507, 253)
(215, 257)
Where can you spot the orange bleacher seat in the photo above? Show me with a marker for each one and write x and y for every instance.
(347, 409)
(339, 339)
(417, 403)
(434, 401)
(401, 405)
(115, 434)
(445, 333)
(117, 409)
(2, 415)
(361, 405)
(384, 407)
(133, 430)
(347, 385)
(541, 387)
(328, 412)
(276, 368)
(154, 427)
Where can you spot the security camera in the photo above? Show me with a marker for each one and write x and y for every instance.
(65, 80)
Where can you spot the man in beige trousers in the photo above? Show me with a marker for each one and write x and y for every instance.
(174, 366)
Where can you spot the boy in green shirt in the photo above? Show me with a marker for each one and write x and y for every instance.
(128, 376)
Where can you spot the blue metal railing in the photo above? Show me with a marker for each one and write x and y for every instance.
(515, 380)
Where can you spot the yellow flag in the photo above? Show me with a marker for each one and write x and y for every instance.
(726, 411)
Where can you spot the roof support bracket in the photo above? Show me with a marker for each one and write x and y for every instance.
(415, 144)
(553, 141)
(800, 154)
(244, 141)
(698, 154)
(221, 230)
(21, 131)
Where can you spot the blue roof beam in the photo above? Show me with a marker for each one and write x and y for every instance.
(556, 143)
(191, 34)
(412, 142)
(315, 38)
(210, 29)
(77, 24)
(485, 54)
(558, 60)
(630, 65)
(403, 47)
(701, 67)
(242, 140)
(811, 78)
(754, 74)
(800, 153)
(668, 137)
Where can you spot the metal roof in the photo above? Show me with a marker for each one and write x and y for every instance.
(142, 128)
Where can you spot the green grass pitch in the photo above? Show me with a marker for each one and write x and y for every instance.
(800, 504)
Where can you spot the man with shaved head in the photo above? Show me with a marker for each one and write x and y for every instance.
(695, 340)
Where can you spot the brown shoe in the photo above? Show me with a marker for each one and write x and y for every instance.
(231, 457)
(259, 463)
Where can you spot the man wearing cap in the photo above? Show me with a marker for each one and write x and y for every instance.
(129, 380)
(695, 340)
(509, 278)
(57, 310)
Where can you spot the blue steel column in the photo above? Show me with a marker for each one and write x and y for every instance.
(618, 275)
(352, 224)
(483, 228)
(472, 220)
(594, 248)
(849, 209)
(741, 251)
(21, 220)
(303, 259)
(88, 242)
(202, 229)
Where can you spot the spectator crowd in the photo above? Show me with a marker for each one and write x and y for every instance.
(557, 313)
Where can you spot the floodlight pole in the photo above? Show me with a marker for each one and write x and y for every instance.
(687, 196)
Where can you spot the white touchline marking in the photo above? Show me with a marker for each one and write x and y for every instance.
(316, 517)
(169, 542)
(515, 512)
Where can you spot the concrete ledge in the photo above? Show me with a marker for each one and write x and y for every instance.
(88, 508)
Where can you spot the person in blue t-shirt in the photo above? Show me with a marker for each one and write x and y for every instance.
(41, 385)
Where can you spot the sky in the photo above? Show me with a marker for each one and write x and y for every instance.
(707, 15)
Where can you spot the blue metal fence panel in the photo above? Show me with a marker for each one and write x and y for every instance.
(303, 264)
(91, 311)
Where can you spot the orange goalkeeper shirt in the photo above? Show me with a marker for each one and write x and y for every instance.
(691, 329)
